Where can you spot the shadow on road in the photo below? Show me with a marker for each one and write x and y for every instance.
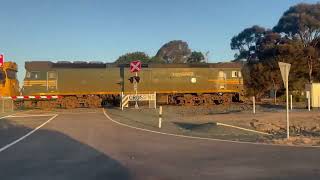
(49, 154)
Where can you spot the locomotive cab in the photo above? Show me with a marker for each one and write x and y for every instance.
(9, 85)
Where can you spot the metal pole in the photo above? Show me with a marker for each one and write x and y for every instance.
(290, 101)
(287, 98)
(254, 104)
(160, 116)
(136, 89)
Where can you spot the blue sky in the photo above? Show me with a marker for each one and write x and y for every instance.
(102, 30)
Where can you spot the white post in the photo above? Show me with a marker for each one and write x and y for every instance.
(308, 97)
(254, 104)
(287, 98)
(136, 91)
(160, 116)
(121, 101)
(290, 101)
(309, 108)
(155, 100)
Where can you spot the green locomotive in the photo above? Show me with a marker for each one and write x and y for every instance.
(83, 84)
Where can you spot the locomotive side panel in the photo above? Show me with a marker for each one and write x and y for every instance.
(87, 85)
(186, 80)
(88, 81)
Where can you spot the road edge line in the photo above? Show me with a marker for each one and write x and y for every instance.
(241, 128)
(15, 113)
(204, 138)
(26, 135)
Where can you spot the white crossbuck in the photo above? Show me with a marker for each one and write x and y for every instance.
(126, 98)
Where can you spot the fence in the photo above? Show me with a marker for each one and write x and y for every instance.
(6, 105)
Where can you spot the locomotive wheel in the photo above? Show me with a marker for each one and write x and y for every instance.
(43, 104)
(226, 98)
(188, 100)
(207, 99)
(28, 104)
(196, 100)
(180, 100)
(71, 102)
(94, 101)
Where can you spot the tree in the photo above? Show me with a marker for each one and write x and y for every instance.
(196, 57)
(156, 60)
(176, 51)
(127, 58)
(245, 42)
(302, 22)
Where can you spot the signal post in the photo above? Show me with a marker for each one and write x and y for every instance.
(285, 69)
(135, 67)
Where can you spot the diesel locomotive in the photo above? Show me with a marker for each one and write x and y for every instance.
(90, 84)
(9, 85)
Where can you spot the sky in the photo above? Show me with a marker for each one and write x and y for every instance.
(102, 30)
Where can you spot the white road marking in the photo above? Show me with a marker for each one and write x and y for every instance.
(15, 113)
(28, 134)
(244, 129)
(203, 138)
(35, 115)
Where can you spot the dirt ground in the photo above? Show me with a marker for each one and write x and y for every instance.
(202, 121)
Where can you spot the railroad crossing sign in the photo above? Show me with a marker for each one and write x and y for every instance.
(135, 66)
(1, 60)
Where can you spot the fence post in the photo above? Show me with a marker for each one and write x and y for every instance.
(308, 96)
(291, 102)
(160, 116)
(155, 100)
(254, 104)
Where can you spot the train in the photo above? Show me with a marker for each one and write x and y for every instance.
(92, 84)
(9, 85)
(83, 84)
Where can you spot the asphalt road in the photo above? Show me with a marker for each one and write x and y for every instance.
(86, 145)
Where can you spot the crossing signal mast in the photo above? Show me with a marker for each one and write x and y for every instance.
(135, 67)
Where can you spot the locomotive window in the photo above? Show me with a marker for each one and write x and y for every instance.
(11, 74)
(52, 75)
(235, 74)
(2, 75)
(34, 75)
(239, 74)
(222, 75)
(28, 74)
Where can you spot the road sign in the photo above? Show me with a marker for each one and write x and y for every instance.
(135, 66)
(1, 60)
(152, 98)
(285, 69)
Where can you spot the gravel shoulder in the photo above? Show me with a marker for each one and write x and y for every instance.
(202, 121)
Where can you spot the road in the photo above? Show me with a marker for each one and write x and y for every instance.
(87, 145)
